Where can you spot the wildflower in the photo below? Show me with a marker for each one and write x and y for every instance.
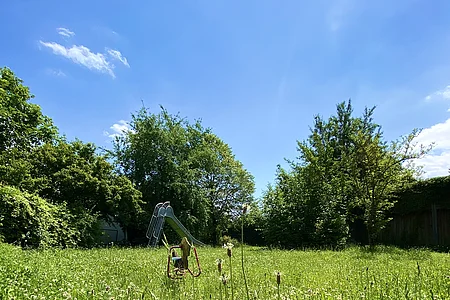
(224, 279)
(229, 246)
(278, 274)
(219, 265)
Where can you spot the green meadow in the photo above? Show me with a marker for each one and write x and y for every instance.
(140, 273)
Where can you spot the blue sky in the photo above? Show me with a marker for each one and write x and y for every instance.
(254, 71)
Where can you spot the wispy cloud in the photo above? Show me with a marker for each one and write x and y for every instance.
(56, 72)
(441, 94)
(65, 32)
(118, 129)
(437, 162)
(83, 56)
(117, 55)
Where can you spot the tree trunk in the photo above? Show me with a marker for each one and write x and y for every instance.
(371, 223)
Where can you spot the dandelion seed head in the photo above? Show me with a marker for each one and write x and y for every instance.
(219, 264)
(229, 246)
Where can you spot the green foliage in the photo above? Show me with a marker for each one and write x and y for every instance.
(287, 219)
(344, 167)
(171, 159)
(22, 125)
(228, 239)
(379, 169)
(30, 221)
(66, 182)
(75, 175)
(22, 128)
(421, 194)
(253, 221)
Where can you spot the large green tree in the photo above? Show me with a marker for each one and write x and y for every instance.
(22, 124)
(227, 185)
(171, 159)
(23, 127)
(346, 170)
(59, 180)
(379, 170)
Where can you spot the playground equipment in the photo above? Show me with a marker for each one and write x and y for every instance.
(180, 264)
(164, 212)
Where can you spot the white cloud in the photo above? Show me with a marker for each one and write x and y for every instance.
(119, 128)
(82, 56)
(437, 162)
(441, 94)
(65, 32)
(117, 55)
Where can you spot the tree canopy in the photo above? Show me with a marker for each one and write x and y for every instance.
(345, 171)
(50, 178)
(171, 159)
(55, 192)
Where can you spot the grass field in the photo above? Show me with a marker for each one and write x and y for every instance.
(120, 273)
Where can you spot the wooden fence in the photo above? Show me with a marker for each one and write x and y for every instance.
(421, 228)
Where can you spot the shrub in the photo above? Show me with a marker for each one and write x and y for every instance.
(30, 221)
(227, 239)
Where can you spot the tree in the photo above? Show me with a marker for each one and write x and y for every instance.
(63, 178)
(366, 169)
(379, 170)
(348, 171)
(324, 163)
(288, 220)
(22, 127)
(171, 159)
(227, 185)
(73, 174)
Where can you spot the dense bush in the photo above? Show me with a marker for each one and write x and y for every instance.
(30, 221)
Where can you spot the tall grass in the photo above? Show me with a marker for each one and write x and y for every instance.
(121, 273)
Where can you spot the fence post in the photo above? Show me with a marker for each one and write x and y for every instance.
(434, 224)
